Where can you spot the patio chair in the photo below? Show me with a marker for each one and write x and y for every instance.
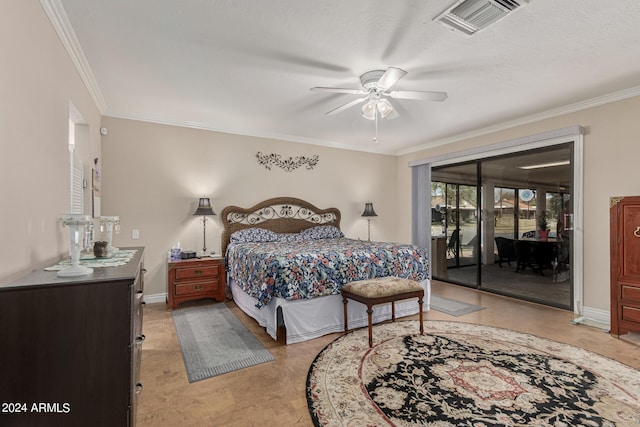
(506, 250)
(454, 243)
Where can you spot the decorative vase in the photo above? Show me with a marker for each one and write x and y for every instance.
(100, 249)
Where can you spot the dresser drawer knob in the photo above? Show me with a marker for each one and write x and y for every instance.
(198, 287)
(197, 272)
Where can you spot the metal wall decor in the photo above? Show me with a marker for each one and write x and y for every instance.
(281, 211)
(290, 164)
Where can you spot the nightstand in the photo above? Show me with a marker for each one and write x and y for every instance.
(191, 279)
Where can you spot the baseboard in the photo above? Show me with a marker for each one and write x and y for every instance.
(150, 299)
(595, 317)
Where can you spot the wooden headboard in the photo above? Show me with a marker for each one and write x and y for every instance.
(280, 214)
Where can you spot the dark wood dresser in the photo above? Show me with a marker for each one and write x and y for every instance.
(70, 348)
(625, 264)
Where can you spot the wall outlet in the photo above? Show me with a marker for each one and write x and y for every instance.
(135, 234)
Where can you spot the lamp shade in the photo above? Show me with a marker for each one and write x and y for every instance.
(369, 110)
(204, 207)
(384, 107)
(368, 210)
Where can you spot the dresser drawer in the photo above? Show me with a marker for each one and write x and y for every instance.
(631, 293)
(190, 288)
(197, 272)
(630, 314)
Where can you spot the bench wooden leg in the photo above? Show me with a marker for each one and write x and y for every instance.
(344, 305)
(421, 324)
(393, 311)
(369, 312)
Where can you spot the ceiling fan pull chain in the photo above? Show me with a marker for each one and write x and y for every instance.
(375, 138)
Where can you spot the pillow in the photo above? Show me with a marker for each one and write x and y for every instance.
(322, 232)
(249, 235)
(289, 237)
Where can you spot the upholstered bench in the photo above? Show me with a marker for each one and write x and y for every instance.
(379, 291)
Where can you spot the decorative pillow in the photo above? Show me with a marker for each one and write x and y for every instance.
(249, 235)
(322, 232)
(289, 237)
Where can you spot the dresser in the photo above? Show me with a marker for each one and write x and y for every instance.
(196, 278)
(625, 264)
(70, 348)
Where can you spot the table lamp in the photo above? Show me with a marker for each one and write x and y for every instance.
(368, 213)
(204, 209)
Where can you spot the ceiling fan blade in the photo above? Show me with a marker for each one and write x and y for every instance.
(390, 77)
(346, 106)
(338, 90)
(418, 94)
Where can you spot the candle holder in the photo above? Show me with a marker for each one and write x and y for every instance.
(89, 239)
(75, 223)
(109, 224)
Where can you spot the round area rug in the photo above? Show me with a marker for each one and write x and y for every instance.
(463, 374)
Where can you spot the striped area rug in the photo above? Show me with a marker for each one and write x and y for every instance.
(214, 341)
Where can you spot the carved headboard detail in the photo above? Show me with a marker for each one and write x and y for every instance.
(280, 214)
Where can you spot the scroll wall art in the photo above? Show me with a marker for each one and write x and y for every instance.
(290, 164)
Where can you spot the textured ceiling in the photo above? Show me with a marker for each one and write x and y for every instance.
(246, 66)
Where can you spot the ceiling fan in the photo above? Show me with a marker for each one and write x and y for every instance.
(375, 87)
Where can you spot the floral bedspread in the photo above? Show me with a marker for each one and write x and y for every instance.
(313, 268)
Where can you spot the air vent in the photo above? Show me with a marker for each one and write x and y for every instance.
(471, 16)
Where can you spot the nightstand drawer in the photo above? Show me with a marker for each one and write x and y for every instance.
(190, 288)
(197, 272)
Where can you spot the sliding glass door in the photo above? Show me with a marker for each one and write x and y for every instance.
(507, 223)
(455, 208)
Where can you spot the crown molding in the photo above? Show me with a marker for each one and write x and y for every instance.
(263, 135)
(571, 108)
(60, 21)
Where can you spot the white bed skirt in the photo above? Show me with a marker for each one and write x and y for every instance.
(312, 318)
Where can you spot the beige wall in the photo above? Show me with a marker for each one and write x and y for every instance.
(37, 82)
(153, 175)
(611, 151)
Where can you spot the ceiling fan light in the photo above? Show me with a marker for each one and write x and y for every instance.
(369, 110)
(384, 107)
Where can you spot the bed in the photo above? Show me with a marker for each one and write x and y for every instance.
(287, 261)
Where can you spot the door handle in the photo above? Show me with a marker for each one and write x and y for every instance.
(568, 222)
(637, 232)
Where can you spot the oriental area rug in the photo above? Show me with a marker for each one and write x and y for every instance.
(460, 374)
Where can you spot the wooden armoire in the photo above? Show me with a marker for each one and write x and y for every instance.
(625, 264)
